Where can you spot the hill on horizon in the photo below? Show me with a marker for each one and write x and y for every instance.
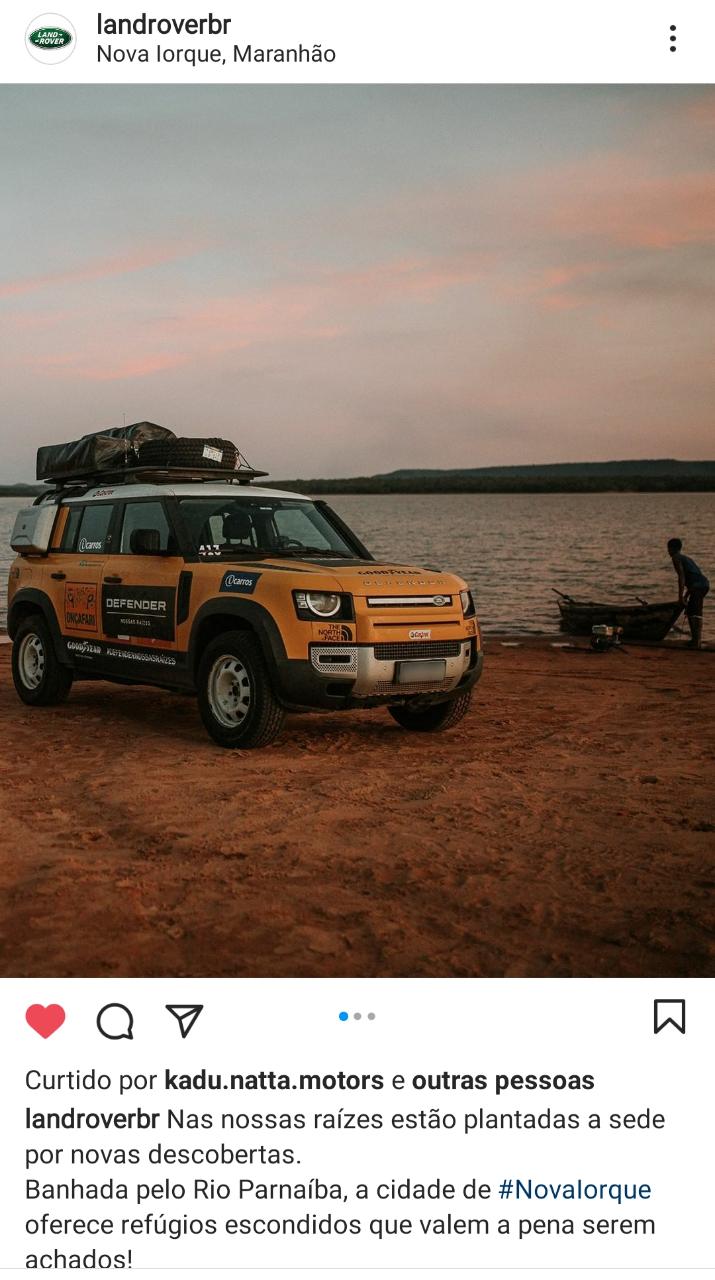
(628, 466)
(644, 475)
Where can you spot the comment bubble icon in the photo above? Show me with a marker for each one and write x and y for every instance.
(115, 1022)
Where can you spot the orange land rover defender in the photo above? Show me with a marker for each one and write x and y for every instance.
(260, 601)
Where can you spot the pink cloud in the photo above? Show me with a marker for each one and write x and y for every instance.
(138, 259)
(108, 371)
(613, 201)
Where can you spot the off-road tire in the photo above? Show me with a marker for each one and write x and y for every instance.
(434, 719)
(39, 677)
(263, 716)
(188, 453)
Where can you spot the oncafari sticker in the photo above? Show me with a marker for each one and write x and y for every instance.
(243, 583)
(421, 633)
(335, 633)
(81, 606)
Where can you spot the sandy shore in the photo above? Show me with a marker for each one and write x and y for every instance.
(565, 828)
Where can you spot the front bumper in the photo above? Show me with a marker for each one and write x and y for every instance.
(349, 676)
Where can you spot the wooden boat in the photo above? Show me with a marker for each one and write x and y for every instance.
(640, 621)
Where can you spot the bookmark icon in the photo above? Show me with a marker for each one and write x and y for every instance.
(186, 1015)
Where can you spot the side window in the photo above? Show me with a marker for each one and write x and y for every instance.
(94, 536)
(69, 535)
(145, 515)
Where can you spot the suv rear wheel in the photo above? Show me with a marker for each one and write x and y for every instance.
(432, 719)
(39, 677)
(236, 700)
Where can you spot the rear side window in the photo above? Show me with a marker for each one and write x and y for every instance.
(94, 537)
(145, 515)
(69, 536)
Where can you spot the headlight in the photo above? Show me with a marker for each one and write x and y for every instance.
(467, 603)
(323, 603)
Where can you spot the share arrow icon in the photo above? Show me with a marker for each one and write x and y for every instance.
(186, 1015)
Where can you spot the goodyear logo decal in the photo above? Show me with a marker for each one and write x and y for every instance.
(242, 583)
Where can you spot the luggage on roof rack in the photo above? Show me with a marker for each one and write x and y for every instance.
(188, 453)
(102, 451)
(142, 451)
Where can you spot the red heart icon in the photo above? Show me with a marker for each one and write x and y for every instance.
(43, 1020)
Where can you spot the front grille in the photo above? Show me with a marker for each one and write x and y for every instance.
(429, 686)
(407, 602)
(419, 649)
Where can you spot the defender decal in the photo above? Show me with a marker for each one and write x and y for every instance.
(139, 611)
(245, 583)
(81, 606)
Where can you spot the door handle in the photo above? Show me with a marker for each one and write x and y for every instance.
(58, 576)
(113, 578)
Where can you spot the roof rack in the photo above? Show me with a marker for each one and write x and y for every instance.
(57, 485)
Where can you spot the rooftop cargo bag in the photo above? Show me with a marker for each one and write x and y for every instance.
(112, 450)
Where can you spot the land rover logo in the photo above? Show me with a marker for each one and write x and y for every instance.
(438, 600)
(50, 38)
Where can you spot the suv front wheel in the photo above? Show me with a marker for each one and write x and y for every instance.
(38, 675)
(236, 700)
(432, 719)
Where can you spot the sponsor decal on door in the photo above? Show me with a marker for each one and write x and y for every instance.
(139, 611)
(81, 606)
(245, 583)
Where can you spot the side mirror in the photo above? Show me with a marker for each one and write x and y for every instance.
(145, 542)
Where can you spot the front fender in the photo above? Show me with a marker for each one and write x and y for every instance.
(249, 612)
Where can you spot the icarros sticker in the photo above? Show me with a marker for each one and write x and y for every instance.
(420, 633)
(244, 583)
(50, 38)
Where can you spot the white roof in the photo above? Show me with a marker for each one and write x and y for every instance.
(197, 490)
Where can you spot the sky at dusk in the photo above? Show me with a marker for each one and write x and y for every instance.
(347, 280)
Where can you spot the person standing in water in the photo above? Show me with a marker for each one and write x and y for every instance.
(693, 587)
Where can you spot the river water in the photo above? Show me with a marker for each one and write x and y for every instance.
(513, 548)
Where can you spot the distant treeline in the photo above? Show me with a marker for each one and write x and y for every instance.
(469, 482)
(20, 490)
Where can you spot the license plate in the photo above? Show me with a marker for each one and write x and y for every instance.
(424, 671)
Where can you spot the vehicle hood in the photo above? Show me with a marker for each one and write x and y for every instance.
(374, 578)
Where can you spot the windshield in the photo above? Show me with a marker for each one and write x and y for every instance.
(237, 527)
